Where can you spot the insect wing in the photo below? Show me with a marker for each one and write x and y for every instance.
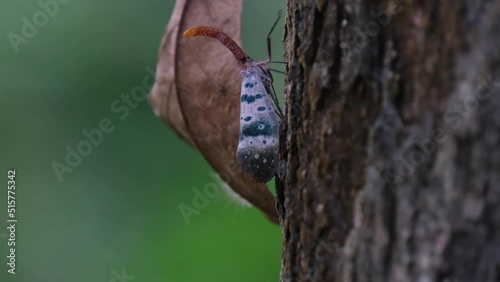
(257, 151)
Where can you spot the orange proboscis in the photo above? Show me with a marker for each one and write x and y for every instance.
(238, 53)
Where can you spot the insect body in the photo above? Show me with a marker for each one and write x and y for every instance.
(257, 151)
(258, 145)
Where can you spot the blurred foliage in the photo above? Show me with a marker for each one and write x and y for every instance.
(119, 208)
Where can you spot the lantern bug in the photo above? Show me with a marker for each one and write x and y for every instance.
(257, 151)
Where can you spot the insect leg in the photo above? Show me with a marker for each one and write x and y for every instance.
(269, 37)
(276, 103)
(278, 71)
(279, 62)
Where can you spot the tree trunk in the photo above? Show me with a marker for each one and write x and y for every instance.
(391, 163)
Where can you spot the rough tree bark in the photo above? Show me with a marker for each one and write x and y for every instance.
(391, 167)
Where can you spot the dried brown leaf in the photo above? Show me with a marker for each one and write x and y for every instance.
(197, 92)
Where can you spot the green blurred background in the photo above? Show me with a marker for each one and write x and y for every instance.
(119, 209)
